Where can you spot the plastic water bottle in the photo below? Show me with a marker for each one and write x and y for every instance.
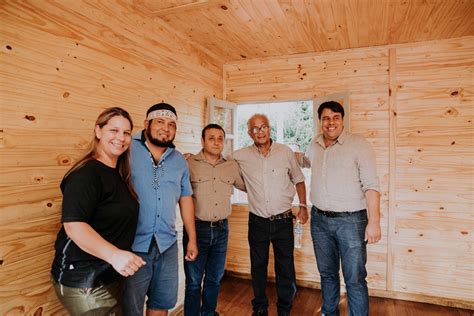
(298, 234)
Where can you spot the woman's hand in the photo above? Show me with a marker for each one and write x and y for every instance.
(125, 262)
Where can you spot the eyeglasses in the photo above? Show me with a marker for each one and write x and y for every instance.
(256, 129)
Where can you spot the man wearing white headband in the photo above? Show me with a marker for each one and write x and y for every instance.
(160, 177)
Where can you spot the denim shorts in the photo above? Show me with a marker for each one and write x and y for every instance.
(158, 280)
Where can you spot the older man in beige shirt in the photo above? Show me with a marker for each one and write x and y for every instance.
(212, 179)
(346, 209)
(271, 175)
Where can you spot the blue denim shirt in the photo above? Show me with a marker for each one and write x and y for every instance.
(159, 188)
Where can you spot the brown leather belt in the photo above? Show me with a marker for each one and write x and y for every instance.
(285, 214)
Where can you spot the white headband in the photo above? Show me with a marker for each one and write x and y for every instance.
(161, 113)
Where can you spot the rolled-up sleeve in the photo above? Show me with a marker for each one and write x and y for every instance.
(296, 175)
(368, 167)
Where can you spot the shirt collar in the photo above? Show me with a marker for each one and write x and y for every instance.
(341, 139)
(141, 138)
(269, 149)
(200, 157)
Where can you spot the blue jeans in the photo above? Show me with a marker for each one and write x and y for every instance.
(341, 239)
(210, 264)
(158, 280)
(279, 232)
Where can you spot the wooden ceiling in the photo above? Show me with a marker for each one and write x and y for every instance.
(237, 29)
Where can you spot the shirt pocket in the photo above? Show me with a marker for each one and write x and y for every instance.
(279, 173)
(201, 184)
(225, 185)
(278, 179)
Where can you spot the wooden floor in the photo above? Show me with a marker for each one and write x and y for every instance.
(235, 296)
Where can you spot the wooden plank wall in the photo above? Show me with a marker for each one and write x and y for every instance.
(61, 64)
(414, 103)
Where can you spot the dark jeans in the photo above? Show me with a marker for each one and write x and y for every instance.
(341, 239)
(279, 232)
(210, 263)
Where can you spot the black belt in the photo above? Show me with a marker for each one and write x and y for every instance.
(217, 223)
(285, 214)
(337, 214)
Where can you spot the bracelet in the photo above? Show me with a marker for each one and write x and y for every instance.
(303, 205)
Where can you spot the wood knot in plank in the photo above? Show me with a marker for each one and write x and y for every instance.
(451, 112)
(64, 160)
(38, 312)
(39, 179)
(30, 117)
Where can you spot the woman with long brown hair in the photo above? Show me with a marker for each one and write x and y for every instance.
(99, 218)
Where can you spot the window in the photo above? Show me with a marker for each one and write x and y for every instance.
(291, 124)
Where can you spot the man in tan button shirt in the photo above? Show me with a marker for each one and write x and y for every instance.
(271, 174)
(212, 179)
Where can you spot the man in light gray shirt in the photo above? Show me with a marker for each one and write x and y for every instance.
(345, 215)
(271, 174)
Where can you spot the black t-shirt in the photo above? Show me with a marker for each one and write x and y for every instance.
(97, 195)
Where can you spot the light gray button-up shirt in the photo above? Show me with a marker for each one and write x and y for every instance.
(270, 180)
(341, 173)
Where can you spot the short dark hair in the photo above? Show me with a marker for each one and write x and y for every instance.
(333, 106)
(162, 106)
(209, 126)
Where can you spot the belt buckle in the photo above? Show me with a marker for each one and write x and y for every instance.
(217, 223)
(272, 218)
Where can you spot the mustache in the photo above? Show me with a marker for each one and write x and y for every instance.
(157, 142)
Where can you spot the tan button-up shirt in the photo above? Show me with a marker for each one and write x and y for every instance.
(270, 180)
(212, 186)
(341, 173)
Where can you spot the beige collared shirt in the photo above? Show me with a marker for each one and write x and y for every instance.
(342, 172)
(212, 186)
(271, 179)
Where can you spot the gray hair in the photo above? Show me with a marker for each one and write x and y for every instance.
(260, 116)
